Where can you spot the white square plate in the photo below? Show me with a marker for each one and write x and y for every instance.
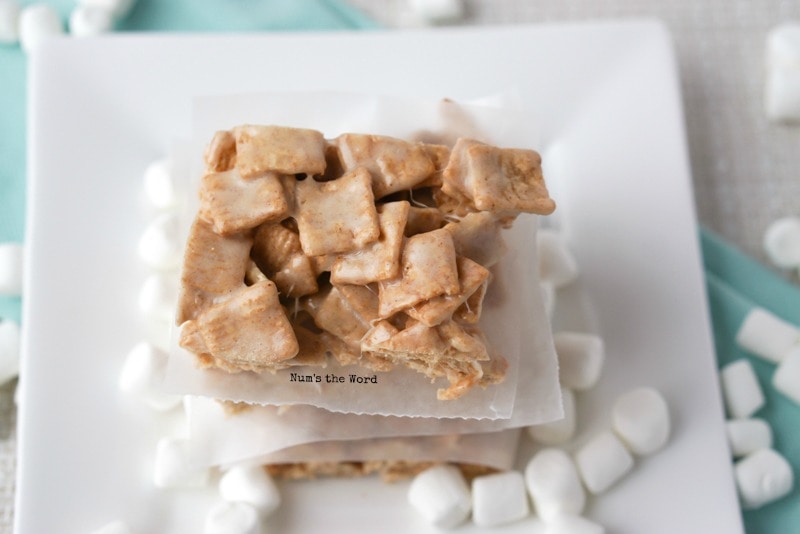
(608, 97)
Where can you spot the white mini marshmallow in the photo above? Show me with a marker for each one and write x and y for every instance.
(782, 241)
(748, 435)
(640, 418)
(573, 524)
(172, 468)
(766, 335)
(141, 373)
(115, 527)
(561, 430)
(763, 477)
(232, 518)
(9, 21)
(38, 22)
(158, 297)
(580, 359)
(602, 462)
(11, 269)
(9, 350)
(554, 484)
(160, 246)
(86, 21)
(557, 264)
(786, 378)
(437, 10)
(441, 495)
(499, 498)
(159, 184)
(119, 9)
(782, 87)
(740, 388)
(250, 484)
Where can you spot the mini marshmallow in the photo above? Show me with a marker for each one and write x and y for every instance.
(441, 495)
(9, 21)
(557, 264)
(763, 477)
(160, 246)
(748, 435)
(766, 335)
(172, 468)
(561, 430)
(580, 359)
(499, 498)
(158, 297)
(232, 518)
(141, 373)
(119, 9)
(9, 350)
(573, 524)
(159, 185)
(554, 484)
(640, 418)
(782, 240)
(786, 378)
(437, 10)
(250, 484)
(743, 395)
(85, 21)
(38, 22)
(11, 269)
(115, 527)
(782, 87)
(602, 462)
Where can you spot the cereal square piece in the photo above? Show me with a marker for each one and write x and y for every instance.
(422, 220)
(249, 331)
(233, 204)
(214, 266)
(394, 164)
(336, 216)
(278, 254)
(380, 260)
(427, 269)
(220, 154)
(332, 313)
(265, 149)
(497, 179)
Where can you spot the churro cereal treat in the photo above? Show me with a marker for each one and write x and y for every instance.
(365, 249)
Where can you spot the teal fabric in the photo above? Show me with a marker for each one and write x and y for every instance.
(147, 15)
(736, 284)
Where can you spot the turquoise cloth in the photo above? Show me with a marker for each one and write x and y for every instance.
(736, 284)
(147, 15)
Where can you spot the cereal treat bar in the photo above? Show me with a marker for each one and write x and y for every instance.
(370, 250)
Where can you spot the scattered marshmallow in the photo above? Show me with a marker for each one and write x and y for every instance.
(85, 21)
(10, 269)
(602, 462)
(250, 484)
(159, 184)
(499, 498)
(786, 378)
(573, 524)
(763, 477)
(172, 468)
(119, 9)
(782, 240)
(580, 359)
(640, 418)
(554, 484)
(9, 350)
(38, 22)
(115, 527)
(748, 435)
(232, 518)
(160, 246)
(435, 11)
(561, 430)
(9, 21)
(782, 87)
(743, 395)
(441, 495)
(141, 373)
(158, 297)
(767, 335)
(557, 264)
